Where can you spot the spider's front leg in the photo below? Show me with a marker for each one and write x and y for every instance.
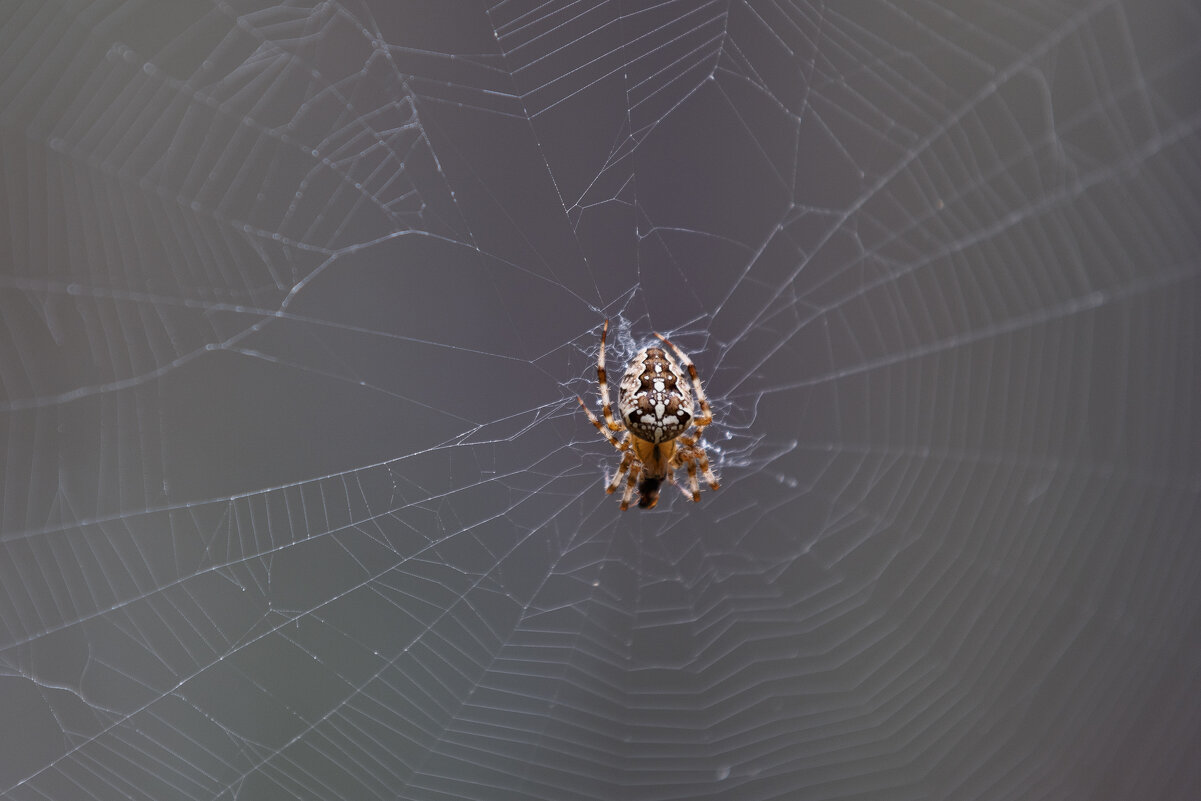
(692, 455)
(710, 477)
(622, 468)
(631, 483)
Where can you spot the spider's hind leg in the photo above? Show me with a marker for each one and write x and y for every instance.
(706, 412)
(602, 380)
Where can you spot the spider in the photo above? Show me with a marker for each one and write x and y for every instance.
(655, 407)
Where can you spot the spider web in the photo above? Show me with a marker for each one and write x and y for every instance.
(297, 501)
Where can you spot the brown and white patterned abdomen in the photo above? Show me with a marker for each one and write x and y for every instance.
(654, 399)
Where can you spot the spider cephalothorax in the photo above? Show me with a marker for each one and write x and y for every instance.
(655, 406)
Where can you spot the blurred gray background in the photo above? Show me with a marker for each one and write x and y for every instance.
(297, 501)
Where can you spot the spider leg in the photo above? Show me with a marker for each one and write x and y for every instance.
(710, 478)
(689, 449)
(692, 483)
(622, 469)
(621, 446)
(671, 479)
(706, 413)
(606, 409)
(631, 483)
(690, 455)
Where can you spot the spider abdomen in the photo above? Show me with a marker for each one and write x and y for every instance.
(654, 400)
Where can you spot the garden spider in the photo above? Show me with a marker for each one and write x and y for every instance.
(655, 407)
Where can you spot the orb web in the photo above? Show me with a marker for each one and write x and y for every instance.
(297, 499)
